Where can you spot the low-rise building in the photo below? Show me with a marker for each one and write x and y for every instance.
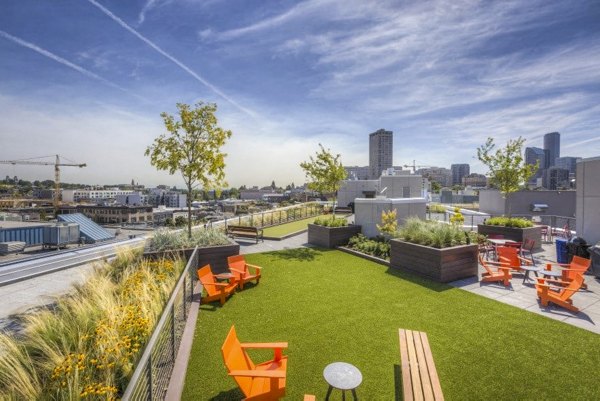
(475, 180)
(441, 175)
(78, 195)
(122, 214)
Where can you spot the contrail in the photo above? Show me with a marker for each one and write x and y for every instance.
(173, 59)
(64, 62)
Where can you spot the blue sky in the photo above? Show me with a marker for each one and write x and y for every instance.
(88, 79)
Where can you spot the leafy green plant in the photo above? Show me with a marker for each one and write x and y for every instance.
(378, 246)
(507, 168)
(335, 222)
(457, 218)
(192, 147)
(325, 172)
(164, 239)
(436, 208)
(516, 222)
(389, 224)
(434, 234)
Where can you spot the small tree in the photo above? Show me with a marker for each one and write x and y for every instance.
(389, 223)
(192, 147)
(325, 172)
(508, 171)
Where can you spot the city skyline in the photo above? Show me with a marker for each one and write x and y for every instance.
(88, 80)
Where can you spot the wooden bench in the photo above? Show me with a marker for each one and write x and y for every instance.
(245, 232)
(419, 377)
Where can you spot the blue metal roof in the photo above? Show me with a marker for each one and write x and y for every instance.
(87, 228)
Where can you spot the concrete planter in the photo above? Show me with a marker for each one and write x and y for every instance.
(514, 234)
(330, 237)
(216, 256)
(441, 265)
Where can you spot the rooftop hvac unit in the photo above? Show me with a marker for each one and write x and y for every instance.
(61, 234)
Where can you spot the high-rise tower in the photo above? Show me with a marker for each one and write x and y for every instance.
(534, 155)
(381, 152)
(551, 148)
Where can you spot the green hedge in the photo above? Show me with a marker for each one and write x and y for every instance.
(516, 222)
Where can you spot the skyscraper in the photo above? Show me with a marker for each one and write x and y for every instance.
(380, 152)
(567, 163)
(458, 172)
(552, 148)
(532, 156)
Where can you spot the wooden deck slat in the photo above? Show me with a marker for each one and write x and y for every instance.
(422, 364)
(414, 367)
(406, 381)
(435, 380)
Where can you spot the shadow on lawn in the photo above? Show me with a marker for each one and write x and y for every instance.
(229, 395)
(397, 383)
(301, 254)
(423, 282)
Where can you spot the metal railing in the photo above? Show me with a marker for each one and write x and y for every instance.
(558, 224)
(271, 217)
(151, 377)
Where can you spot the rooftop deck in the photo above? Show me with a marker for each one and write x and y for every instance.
(331, 306)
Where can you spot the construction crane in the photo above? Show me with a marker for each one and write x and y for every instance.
(57, 165)
(414, 166)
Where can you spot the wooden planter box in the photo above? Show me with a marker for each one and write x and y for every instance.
(330, 237)
(514, 234)
(216, 256)
(441, 265)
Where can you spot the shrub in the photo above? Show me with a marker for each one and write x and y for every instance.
(328, 222)
(436, 208)
(516, 222)
(86, 347)
(457, 218)
(389, 224)
(377, 246)
(434, 234)
(164, 239)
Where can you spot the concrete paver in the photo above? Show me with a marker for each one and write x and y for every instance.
(524, 296)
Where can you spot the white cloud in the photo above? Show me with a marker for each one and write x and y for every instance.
(178, 63)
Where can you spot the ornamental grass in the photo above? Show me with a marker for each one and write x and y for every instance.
(167, 240)
(87, 345)
(434, 234)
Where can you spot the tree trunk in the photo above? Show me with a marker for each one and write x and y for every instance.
(189, 207)
(333, 208)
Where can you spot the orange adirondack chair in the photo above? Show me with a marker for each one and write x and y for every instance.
(215, 291)
(577, 267)
(509, 256)
(239, 267)
(561, 297)
(262, 382)
(501, 274)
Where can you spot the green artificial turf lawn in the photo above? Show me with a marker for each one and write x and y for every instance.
(330, 306)
(289, 228)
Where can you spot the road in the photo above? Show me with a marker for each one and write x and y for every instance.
(26, 269)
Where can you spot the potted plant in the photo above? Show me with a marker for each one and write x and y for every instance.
(512, 228)
(329, 233)
(437, 251)
(214, 246)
